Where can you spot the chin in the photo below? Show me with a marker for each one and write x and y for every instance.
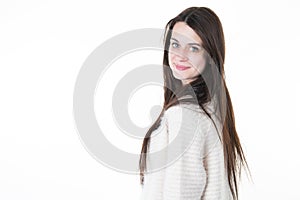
(179, 77)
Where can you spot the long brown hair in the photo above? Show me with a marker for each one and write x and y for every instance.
(207, 85)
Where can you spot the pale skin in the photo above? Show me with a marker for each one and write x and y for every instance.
(186, 54)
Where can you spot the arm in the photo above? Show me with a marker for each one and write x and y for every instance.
(185, 176)
(217, 187)
(154, 177)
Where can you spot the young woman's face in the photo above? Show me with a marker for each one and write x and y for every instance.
(186, 54)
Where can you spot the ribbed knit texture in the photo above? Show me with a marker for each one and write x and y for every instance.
(189, 160)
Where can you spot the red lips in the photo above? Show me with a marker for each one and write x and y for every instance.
(181, 67)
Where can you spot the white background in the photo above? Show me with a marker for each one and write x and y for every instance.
(43, 45)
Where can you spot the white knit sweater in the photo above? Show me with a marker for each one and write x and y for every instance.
(185, 160)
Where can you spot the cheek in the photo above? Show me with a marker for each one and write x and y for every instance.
(170, 58)
(198, 62)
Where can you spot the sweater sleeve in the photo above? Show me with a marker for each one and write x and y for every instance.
(217, 187)
(154, 177)
(185, 175)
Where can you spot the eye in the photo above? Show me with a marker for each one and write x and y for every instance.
(194, 49)
(174, 44)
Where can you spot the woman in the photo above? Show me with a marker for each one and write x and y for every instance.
(192, 151)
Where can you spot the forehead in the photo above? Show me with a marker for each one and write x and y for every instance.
(184, 33)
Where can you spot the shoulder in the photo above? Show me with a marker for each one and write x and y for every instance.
(185, 112)
(187, 117)
(191, 117)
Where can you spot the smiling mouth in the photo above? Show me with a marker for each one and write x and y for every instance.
(181, 67)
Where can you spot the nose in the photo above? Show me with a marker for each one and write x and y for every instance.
(181, 55)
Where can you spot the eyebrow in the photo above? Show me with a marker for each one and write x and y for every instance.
(193, 43)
